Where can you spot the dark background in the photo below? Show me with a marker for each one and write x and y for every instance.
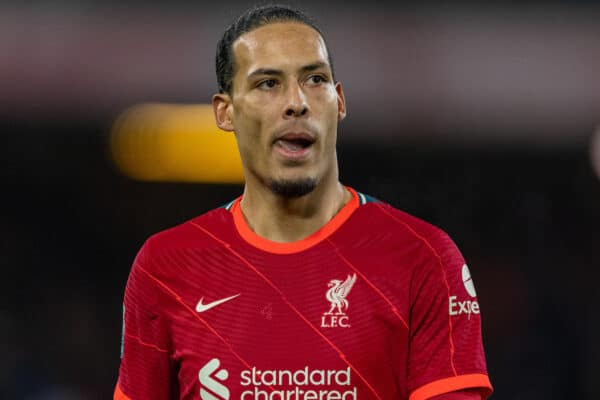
(513, 185)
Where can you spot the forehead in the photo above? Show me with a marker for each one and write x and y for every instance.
(279, 43)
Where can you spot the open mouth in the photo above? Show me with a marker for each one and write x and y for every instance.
(295, 144)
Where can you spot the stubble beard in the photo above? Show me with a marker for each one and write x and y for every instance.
(293, 188)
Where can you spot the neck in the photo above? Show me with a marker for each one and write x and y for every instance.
(290, 219)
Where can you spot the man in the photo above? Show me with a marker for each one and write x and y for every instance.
(302, 288)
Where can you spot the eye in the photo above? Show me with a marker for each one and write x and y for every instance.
(316, 79)
(267, 84)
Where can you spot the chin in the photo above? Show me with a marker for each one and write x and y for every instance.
(293, 188)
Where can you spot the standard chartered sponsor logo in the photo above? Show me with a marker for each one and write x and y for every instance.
(210, 388)
(301, 384)
(298, 380)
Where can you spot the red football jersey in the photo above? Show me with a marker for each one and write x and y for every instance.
(377, 304)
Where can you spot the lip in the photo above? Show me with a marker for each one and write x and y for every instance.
(296, 136)
(294, 154)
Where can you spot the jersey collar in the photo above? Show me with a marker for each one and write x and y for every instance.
(300, 245)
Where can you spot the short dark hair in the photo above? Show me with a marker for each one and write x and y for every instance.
(248, 21)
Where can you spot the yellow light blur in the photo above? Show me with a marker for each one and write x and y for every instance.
(174, 143)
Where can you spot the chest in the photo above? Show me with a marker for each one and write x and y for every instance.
(318, 326)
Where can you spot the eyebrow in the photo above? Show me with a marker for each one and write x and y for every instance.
(278, 72)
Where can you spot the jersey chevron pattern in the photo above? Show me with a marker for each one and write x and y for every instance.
(376, 305)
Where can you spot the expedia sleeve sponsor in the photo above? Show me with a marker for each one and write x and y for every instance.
(457, 307)
(467, 307)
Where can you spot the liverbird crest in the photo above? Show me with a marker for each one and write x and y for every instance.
(337, 293)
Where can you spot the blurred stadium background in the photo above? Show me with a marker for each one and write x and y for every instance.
(479, 119)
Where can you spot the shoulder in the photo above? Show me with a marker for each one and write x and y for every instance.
(420, 247)
(401, 226)
(436, 259)
(192, 235)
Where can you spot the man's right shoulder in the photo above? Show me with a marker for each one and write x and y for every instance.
(198, 233)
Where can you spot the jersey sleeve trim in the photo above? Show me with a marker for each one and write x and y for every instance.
(119, 395)
(452, 384)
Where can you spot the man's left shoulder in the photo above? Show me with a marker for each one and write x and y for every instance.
(384, 217)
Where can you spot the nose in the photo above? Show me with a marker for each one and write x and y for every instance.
(296, 104)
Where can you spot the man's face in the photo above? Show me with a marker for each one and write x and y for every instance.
(284, 107)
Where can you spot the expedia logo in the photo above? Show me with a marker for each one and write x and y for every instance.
(212, 389)
(457, 307)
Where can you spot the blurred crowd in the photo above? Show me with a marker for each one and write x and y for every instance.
(527, 222)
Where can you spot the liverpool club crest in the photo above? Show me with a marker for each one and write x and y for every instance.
(336, 295)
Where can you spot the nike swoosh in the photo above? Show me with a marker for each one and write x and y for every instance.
(204, 307)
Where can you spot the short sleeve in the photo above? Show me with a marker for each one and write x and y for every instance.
(445, 345)
(146, 370)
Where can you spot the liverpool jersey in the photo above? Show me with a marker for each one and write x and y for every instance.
(377, 304)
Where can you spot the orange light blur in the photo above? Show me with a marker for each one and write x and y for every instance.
(174, 143)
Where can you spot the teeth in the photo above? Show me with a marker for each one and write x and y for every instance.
(291, 146)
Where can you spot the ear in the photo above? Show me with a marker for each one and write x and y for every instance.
(223, 109)
(341, 101)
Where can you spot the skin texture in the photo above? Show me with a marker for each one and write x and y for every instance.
(282, 85)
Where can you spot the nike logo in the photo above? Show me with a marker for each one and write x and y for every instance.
(205, 307)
